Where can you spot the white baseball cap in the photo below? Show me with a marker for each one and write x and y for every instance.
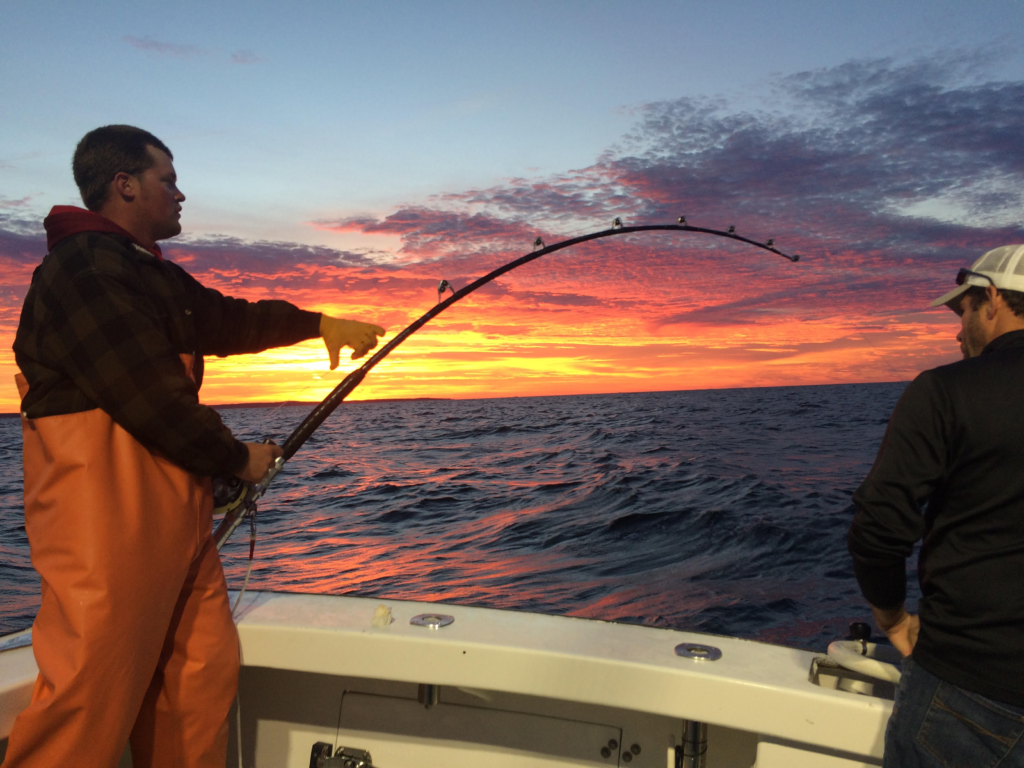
(1002, 267)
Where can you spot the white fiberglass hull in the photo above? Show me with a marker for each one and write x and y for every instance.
(515, 689)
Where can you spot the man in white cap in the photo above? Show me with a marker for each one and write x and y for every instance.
(950, 473)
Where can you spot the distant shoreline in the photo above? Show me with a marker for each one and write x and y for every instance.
(317, 402)
(228, 406)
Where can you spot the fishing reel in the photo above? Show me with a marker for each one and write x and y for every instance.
(230, 493)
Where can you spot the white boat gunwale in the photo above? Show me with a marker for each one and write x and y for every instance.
(755, 687)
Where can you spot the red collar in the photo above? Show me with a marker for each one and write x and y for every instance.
(67, 220)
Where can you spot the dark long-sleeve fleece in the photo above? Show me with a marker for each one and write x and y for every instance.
(950, 471)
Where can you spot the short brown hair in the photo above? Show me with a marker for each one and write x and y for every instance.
(105, 152)
(978, 296)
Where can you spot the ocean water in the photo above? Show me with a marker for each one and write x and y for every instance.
(721, 511)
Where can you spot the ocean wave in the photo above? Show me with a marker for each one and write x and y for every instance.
(721, 511)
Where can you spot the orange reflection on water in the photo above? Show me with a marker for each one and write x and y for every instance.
(318, 558)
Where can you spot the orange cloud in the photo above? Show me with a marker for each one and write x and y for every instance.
(654, 313)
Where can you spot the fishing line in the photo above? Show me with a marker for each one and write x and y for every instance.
(250, 494)
(294, 399)
(248, 568)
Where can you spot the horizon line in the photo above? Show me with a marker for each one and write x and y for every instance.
(266, 404)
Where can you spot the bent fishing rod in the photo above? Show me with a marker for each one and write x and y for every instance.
(243, 503)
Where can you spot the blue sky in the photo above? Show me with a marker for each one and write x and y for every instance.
(281, 114)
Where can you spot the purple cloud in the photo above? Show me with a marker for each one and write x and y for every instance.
(147, 43)
(866, 142)
(867, 166)
(20, 203)
(245, 57)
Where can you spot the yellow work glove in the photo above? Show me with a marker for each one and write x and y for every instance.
(338, 333)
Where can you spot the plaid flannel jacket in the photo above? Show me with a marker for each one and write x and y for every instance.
(103, 325)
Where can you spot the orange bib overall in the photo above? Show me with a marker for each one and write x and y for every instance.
(134, 638)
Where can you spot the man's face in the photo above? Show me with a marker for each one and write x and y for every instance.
(159, 200)
(973, 336)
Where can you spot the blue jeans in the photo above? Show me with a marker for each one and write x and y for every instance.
(934, 724)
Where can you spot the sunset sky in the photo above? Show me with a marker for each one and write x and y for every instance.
(347, 157)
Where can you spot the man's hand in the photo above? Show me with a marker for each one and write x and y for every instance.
(336, 333)
(899, 626)
(261, 457)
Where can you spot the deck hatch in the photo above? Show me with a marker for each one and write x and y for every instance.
(400, 732)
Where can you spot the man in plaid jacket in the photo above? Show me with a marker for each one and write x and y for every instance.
(134, 638)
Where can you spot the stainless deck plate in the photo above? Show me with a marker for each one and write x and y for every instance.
(432, 620)
(697, 651)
